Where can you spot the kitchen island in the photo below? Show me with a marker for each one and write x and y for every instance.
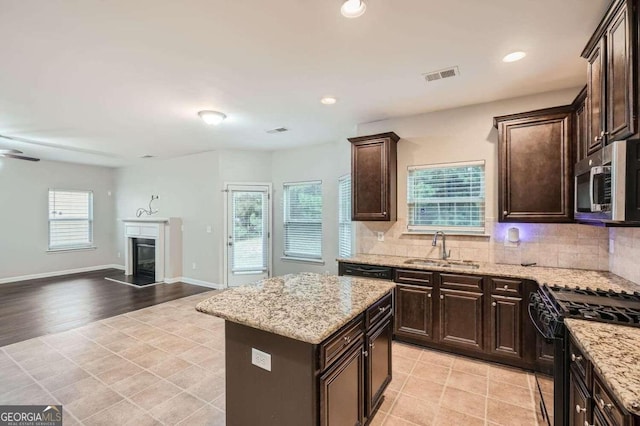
(305, 349)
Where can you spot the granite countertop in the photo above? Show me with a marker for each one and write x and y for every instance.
(308, 307)
(614, 351)
(560, 276)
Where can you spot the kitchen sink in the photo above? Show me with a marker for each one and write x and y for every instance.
(458, 264)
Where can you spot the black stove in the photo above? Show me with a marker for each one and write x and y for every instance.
(548, 307)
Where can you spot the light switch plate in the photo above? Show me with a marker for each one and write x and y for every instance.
(208, 229)
(612, 243)
(261, 359)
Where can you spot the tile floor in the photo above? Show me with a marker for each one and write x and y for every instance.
(165, 365)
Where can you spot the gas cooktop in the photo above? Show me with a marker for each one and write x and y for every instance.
(598, 305)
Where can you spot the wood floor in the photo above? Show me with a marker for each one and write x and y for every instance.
(34, 308)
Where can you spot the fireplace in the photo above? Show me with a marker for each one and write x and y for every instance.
(144, 257)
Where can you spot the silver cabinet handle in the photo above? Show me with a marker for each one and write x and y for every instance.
(575, 358)
(429, 295)
(347, 339)
(603, 405)
(441, 297)
(382, 308)
(505, 212)
(586, 423)
(580, 409)
(494, 304)
(372, 345)
(506, 287)
(365, 353)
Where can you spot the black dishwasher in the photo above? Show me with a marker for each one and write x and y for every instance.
(368, 271)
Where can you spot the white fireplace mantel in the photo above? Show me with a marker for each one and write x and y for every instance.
(167, 235)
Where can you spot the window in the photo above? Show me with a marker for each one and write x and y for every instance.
(446, 197)
(345, 246)
(303, 220)
(70, 219)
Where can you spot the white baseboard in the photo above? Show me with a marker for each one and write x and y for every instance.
(58, 273)
(201, 283)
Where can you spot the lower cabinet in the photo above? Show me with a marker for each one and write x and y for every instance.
(461, 318)
(414, 311)
(342, 391)
(579, 402)
(378, 365)
(506, 326)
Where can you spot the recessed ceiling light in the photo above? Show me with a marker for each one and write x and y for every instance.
(328, 100)
(353, 8)
(514, 56)
(212, 117)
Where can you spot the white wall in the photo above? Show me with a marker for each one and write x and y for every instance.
(325, 162)
(190, 187)
(24, 216)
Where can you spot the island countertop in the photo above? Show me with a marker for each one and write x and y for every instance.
(542, 275)
(307, 307)
(614, 351)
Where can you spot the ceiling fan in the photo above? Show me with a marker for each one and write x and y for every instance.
(15, 154)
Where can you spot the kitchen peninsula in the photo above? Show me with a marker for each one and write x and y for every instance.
(305, 348)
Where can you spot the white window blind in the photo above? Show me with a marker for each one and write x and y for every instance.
(446, 197)
(303, 220)
(70, 219)
(345, 241)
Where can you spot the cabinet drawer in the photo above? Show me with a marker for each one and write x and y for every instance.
(506, 286)
(407, 276)
(578, 361)
(337, 345)
(379, 310)
(461, 282)
(608, 407)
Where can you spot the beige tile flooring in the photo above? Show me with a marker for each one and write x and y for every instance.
(165, 365)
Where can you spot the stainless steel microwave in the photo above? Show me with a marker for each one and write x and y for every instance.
(606, 185)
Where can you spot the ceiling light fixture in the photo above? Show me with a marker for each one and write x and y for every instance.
(212, 117)
(514, 56)
(353, 8)
(328, 100)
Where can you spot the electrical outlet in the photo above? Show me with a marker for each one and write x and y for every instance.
(208, 229)
(193, 265)
(612, 243)
(380, 236)
(119, 255)
(109, 193)
(182, 228)
(261, 359)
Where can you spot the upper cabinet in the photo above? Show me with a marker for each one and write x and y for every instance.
(535, 166)
(373, 177)
(611, 87)
(581, 126)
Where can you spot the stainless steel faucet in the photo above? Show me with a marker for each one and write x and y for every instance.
(445, 255)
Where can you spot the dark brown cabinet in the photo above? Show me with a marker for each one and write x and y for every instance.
(460, 307)
(579, 402)
(342, 391)
(581, 126)
(414, 302)
(378, 364)
(535, 166)
(506, 326)
(373, 177)
(610, 54)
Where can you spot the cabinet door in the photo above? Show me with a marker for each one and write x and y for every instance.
(544, 355)
(619, 72)
(535, 167)
(595, 98)
(581, 131)
(414, 312)
(373, 174)
(461, 318)
(506, 326)
(342, 391)
(378, 365)
(579, 400)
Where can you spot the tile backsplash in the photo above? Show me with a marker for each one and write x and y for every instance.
(552, 245)
(625, 259)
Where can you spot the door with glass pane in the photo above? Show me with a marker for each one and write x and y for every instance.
(248, 247)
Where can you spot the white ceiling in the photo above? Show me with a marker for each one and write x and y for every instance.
(127, 77)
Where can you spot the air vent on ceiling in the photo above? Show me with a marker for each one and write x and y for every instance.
(278, 130)
(441, 74)
(147, 156)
